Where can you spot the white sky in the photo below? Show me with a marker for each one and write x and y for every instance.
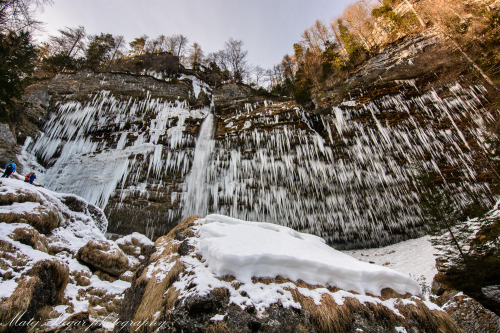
(268, 28)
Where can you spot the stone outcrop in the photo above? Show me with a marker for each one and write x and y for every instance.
(477, 306)
(468, 313)
(7, 145)
(104, 255)
(168, 274)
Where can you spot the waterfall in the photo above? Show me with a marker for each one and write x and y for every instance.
(197, 192)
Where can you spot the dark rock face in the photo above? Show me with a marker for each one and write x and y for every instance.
(7, 145)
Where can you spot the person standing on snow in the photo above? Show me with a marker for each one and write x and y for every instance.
(27, 177)
(9, 169)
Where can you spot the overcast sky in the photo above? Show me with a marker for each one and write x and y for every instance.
(268, 28)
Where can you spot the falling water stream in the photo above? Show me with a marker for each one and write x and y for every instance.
(196, 193)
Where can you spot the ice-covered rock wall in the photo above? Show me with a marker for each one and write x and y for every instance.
(347, 176)
(131, 147)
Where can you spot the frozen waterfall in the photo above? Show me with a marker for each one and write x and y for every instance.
(196, 193)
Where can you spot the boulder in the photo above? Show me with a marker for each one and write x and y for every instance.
(104, 255)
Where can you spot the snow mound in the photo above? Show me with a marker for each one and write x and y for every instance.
(253, 249)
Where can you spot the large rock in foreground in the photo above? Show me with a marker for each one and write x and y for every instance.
(212, 279)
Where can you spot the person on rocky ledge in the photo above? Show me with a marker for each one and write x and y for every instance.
(30, 177)
(9, 169)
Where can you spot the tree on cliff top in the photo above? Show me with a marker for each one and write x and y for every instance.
(17, 56)
(236, 58)
(19, 15)
(17, 53)
(100, 50)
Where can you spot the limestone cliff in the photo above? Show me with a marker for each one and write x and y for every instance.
(133, 144)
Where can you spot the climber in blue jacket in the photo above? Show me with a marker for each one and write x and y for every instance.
(9, 169)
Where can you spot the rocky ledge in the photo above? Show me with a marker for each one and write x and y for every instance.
(191, 271)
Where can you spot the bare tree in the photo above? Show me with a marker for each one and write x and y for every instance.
(235, 56)
(334, 25)
(359, 19)
(70, 42)
(182, 43)
(275, 75)
(258, 73)
(17, 15)
(219, 58)
(118, 48)
(317, 36)
(412, 8)
(445, 14)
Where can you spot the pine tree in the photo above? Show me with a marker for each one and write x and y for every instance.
(100, 50)
(17, 56)
(439, 211)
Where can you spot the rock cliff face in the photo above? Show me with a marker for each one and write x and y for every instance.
(135, 145)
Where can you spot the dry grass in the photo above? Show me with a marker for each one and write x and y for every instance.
(10, 257)
(42, 219)
(329, 316)
(135, 248)
(161, 295)
(218, 327)
(180, 232)
(47, 276)
(98, 255)
(7, 199)
(57, 272)
(30, 237)
(18, 302)
(154, 299)
(388, 293)
(431, 320)
(81, 278)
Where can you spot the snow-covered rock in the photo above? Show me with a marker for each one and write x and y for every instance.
(41, 278)
(219, 273)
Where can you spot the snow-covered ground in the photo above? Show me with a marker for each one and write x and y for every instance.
(414, 257)
(224, 246)
(79, 223)
(247, 249)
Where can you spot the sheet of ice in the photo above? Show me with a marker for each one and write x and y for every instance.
(248, 249)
